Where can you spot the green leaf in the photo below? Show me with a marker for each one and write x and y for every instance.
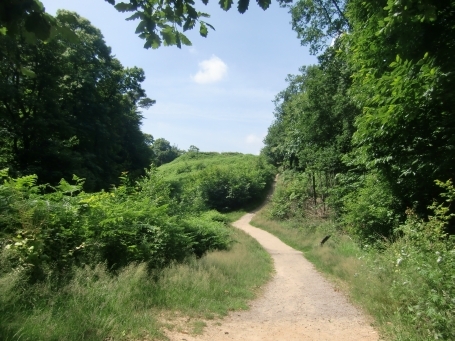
(242, 5)
(264, 4)
(27, 72)
(169, 36)
(185, 41)
(37, 24)
(152, 41)
(3, 31)
(189, 24)
(123, 7)
(137, 15)
(213, 28)
(191, 12)
(226, 4)
(203, 30)
(140, 28)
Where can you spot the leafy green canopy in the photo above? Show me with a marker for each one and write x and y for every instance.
(402, 55)
(161, 22)
(69, 107)
(314, 117)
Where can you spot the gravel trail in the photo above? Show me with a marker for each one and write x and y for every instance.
(297, 304)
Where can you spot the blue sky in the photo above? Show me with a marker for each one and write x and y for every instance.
(216, 94)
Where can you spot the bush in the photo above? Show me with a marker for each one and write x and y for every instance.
(223, 182)
(424, 276)
(52, 232)
(207, 234)
(370, 210)
(289, 198)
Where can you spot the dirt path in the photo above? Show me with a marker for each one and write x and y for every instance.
(297, 304)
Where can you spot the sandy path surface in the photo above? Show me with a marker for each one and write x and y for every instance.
(297, 304)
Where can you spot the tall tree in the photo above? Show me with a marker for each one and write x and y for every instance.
(163, 152)
(402, 54)
(68, 107)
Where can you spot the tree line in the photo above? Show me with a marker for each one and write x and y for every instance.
(68, 106)
(372, 122)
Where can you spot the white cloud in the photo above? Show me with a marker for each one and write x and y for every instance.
(210, 71)
(253, 139)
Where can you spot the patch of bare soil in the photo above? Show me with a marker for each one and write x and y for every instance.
(297, 304)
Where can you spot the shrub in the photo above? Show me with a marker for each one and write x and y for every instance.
(52, 232)
(289, 198)
(424, 276)
(370, 209)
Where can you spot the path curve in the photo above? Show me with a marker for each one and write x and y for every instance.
(297, 304)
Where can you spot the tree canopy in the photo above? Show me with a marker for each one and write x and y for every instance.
(378, 108)
(70, 108)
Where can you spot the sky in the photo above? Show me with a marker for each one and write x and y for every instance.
(216, 94)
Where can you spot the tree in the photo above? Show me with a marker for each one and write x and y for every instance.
(314, 117)
(163, 152)
(73, 111)
(403, 83)
(319, 21)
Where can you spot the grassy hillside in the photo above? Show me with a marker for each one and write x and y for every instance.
(97, 266)
(221, 181)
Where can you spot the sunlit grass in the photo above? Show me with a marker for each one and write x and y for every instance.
(135, 304)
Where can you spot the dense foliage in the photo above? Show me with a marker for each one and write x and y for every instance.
(374, 116)
(224, 182)
(68, 227)
(46, 228)
(69, 107)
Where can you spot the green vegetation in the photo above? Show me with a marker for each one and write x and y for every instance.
(126, 255)
(370, 124)
(407, 285)
(224, 182)
(135, 304)
(102, 255)
(73, 109)
(364, 140)
(160, 23)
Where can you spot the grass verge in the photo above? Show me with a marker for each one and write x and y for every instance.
(134, 305)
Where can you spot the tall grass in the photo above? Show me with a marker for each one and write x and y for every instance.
(95, 305)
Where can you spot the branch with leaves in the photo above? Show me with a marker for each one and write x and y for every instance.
(161, 22)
